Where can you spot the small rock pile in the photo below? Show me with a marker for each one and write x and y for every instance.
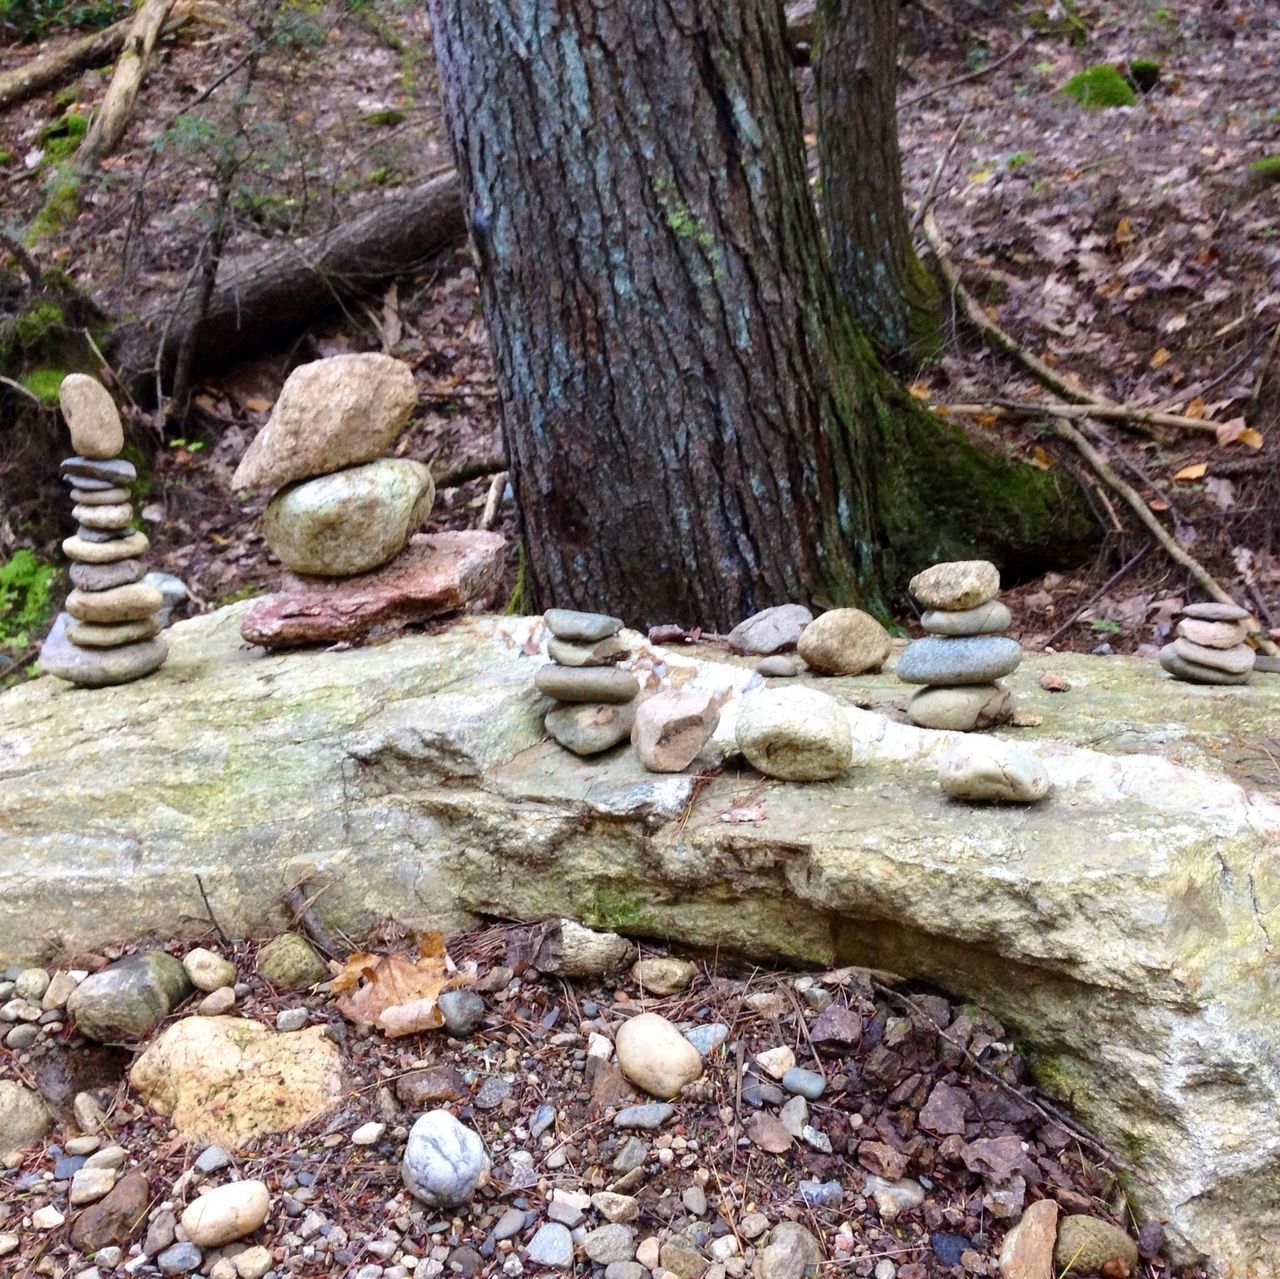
(961, 661)
(596, 702)
(340, 508)
(1210, 646)
(110, 630)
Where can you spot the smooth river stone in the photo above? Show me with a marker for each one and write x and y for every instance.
(970, 659)
(83, 484)
(91, 635)
(587, 728)
(1235, 661)
(990, 618)
(102, 577)
(986, 769)
(115, 471)
(99, 535)
(586, 683)
(956, 585)
(91, 415)
(844, 641)
(581, 628)
(118, 516)
(1212, 634)
(772, 630)
(796, 734)
(603, 653)
(969, 708)
(97, 668)
(1211, 611)
(1194, 673)
(122, 604)
(121, 548)
(109, 495)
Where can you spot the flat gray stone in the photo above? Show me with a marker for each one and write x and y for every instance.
(647, 1117)
(107, 495)
(581, 628)
(114, 471)
(551, 1246)
(987, 619)
(1237, 660)
(586, 683)
(1194, 672)
(105, 577)
(972, 659)
(804, 1083)
(1211, 611)
(772, 630)
(587, 728)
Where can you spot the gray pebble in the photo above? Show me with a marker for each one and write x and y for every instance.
(462, 1010)
(804, 1083)
(180, 1259)
(821, 1194)
(551, 1246)
(212, 1159)
(652, 1115)
(289, 1019)
(493, 1092)
(706, 1039)
(510, 1224)
(581, 628)
(542, 1120)
(970, 659)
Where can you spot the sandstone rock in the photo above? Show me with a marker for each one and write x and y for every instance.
(615, 1207)
(331, 414)
(796, 734)
(1212, 634)
(445, 1162)
(587, 728)
(91, 414)
(227, 1213)
(84, 551)
(956, 585)
(655, 1056)
(663, 974)
(1195, 673)
(987, 619)
(121, 604)
(290, 962)
(893, 1198)
(24, 1118)
(970, 659)
(436, 574)
(603, 652)
(1027, 1250)
(968, 708)
(844, 641)
(988, 769)
(610, 1243)
(671, 727)
(225, 1080)
(1086, 1244)
(207, 971)
(88, 1185)
(586, 683)
(351, 521)
(581, 628)
(791, 1253)
(772, 630)
(252, 1263)
(128, 998)
(108, 496)
(115, 1220)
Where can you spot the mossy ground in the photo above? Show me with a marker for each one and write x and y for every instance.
(1098, 87)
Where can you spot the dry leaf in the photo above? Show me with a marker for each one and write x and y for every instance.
(1196, 408)
(1124, 232)
(1161, 358)
(1040, 459)
(1194, 471)
(398, 993)
(1235, 431)
(767, 1132)
(256, 404)
(920, 390)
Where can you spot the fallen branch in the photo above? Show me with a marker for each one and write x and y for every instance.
(111, 118)
(986, 69)
(304, 917)
(20, 83)
(926, 202)
(465, 472)
(1103, 412)
(1098, 594)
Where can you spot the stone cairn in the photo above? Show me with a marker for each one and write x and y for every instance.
(1210, 646)
(961, 661)
(110, 630)
(596, 702)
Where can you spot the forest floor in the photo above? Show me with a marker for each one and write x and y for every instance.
(1131, 247)
(915, 1088)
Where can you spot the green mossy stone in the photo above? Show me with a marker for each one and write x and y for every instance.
(289, 962)
(128, 998)
(1099, 87)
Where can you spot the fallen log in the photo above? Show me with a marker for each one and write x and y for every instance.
(260, 300)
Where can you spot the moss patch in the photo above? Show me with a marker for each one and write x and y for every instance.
(1264, 173)
(44, 384)
(1099, 87)
(26, 589)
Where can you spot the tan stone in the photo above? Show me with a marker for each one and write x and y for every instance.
(121, 548)
(663, 974)
(956, 585)
(671, 727)
(1212, 634)
(92, 635)
(227, 1213)
(225, 1080)
(92, 417)
(108, 518)
(844, 641)
(1086, 1244)
(331, 414)
(128, 603)
(1027, 1251)
(655, 1056)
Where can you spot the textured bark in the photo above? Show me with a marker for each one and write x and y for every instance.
(696, 426)
(877, 270)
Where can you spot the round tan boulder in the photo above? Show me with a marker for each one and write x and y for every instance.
(957, 584)
(91, 415)
(844, 641)
(796, 734)
(656, 1057)
(227, 1213)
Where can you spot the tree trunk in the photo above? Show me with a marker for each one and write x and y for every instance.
(877, 270)
(696, 426)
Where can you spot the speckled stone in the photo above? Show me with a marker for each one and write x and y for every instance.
(1234, 661)
(971, 659)
(965, 709)
(105, 519)
(603, 652)
(587, 728)
(107, 496)
(957, 584)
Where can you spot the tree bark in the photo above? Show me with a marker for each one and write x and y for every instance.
(264, 299)
(878, 273)
(22, 82)
(696, 426)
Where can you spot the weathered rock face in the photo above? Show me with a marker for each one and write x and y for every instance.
(1123, 927)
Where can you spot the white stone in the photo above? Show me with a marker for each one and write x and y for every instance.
(208, 972)
(444, 1161)
(227, 1213)
(796, 734)
(655, 1056)
(989, 769)
(894, 1197)
(47, 1218)
(368, 1134)
(88, 1185)
(776, 1061)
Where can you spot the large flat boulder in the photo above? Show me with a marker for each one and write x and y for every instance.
(1124, 926)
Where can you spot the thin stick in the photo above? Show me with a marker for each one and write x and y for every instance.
(1098, 594)
(496, 487)
(1103, 412)
(306, 919)
(1264, 366)
(473, 470)
(213, 919)
(964, 79)
(17, 386)
(932, 189)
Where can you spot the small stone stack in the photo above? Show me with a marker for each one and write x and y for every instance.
(110, 630)
(597, 701)
(1210, 646)
(965, 655)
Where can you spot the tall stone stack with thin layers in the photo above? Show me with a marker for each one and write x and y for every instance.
(596, 702)
(1210, 646)
(341, 511)
(110, 630)
(962, 660)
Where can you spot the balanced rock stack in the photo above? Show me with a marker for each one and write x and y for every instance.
(110, 630)
(963, 658)
(1210, 646)
(597, 701)
(341, 511)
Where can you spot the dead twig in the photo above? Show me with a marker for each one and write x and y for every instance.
(213, 919)
(926, 201)
(496, 487)
(1103, 412)
(476, 469)
(1264, 367)
(986, 69)
(306, 919)
(1098, 594)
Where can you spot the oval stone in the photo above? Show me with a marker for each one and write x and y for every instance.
(844, 641)
(1212, 611)
(957, 584)
(108, 496)
(969, 708)
(119, 548)
(604, 652)
(586, 683)
(120, 604)
(987, 769)
(987, 619)
(655, 1056)
(98, 668)
(1180, 668)
(1235, 661)
(102, 577)
(970, 659)
(772, 630)
(104, 517)
(445, 1162)
(92, 635)
(1212, 634)
(91, 415)
(112, 471)
(350, 521)
(796, 734)
(581, 628)
(588, 728)
(227, 1213)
